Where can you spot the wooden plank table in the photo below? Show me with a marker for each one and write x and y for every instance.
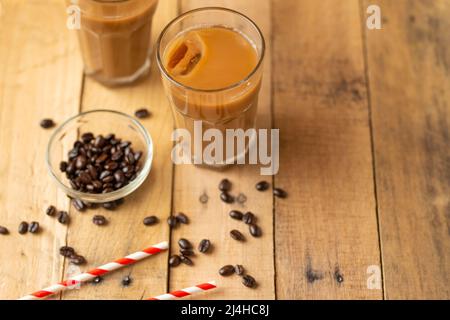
(364, 155)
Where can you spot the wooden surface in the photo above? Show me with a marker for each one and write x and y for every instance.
(364, 118)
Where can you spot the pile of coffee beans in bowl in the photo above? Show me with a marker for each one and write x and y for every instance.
(101, 164)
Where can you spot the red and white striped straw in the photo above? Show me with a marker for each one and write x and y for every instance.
(186, 292)
(83, 277)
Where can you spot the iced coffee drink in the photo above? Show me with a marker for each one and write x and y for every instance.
(211, 64)
(115, 38)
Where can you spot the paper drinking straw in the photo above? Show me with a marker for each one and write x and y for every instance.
(186, 292)
(86, 276)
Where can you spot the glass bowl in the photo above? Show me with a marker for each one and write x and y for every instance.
(98, 122)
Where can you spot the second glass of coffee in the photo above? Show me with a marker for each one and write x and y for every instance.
(211, 63)
(114, 37)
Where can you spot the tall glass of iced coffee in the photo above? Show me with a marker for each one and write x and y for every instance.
(211, 62)
(114, 37)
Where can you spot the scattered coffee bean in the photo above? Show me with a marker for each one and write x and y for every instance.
(186, 252)
(63, 217)
(226, 197)
(50, 211)
(225, 185)
(204, 246)
(33, 227)
(149, 221)
(236, 214)
(77, 260)
(172, 221)
(249, 218)
(280, 193)
(249, 281)
(227, 270)
(126, 281)
(203, 198)
(3, 230)
(99, 165)
(99, 220)
(255, 230)
(97, 280)
(78, 205)
(236, 235)
(184, 244)
(182, 218)
(47, 123)
(262, 186)
(23, 227)
(186, 260)
(174, 261)
(142, 113)
(241, 198)
(239, 270)
(66, 251)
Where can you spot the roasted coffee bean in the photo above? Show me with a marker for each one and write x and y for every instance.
(50, 211)
(182, 218)
(225, 185)
(107, 190)
(237, 235)
(119, 176)
(280, 193)
(226, 197)
(97, 280)
(97, 185)
(78, 205)
(184, 244)
(126, 281)
(226, 271)
(172, 221)
(204, 245)
(84, 178)
(63, 166)
(249, 281)
(255, 230)
(81, 162)
(99, 220)
(66, 251)
(174, 261)
(92, 171)
(107, 179)
(149, 221)
(101, 158)
(117, 156)
(186, 252)
(33, 227)
(236, 214)
(137, 156)
(186, 260)
(130, 158)
(105, 174)
(87, 137)
(63, 217)
(3, 230)
(77, 260)
(73, 153)
(239, 270)
(47, 123)
(23, 227)
(262, 186)
(111, 166)
(249, 218)
(100, 142)
(142, 113)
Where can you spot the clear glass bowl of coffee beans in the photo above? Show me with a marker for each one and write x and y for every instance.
(100, 156)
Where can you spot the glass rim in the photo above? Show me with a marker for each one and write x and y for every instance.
(105, 2)
(232, 86)
(116, 194)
